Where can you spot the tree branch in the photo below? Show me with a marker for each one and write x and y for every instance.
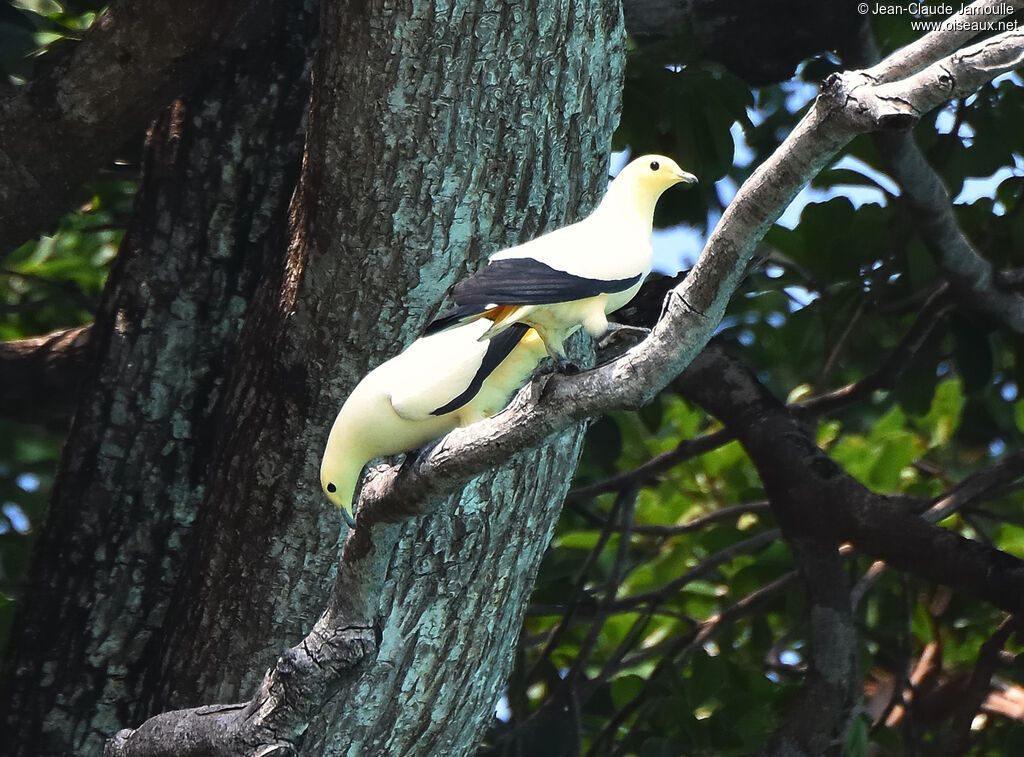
(976, 487)
(889, 372)
(970, 274)
(979, 486)
(40, 376)
(687, 449)
(58, 130)
(694, 524)
(940, 42)
(723, 556)
(978, 687)
(342, 641)
(815, 721)
(813, 496)
(680, 648)
(885, 377)
(344, 636)
(850, 103)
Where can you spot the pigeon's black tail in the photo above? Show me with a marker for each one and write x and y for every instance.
(456, 316)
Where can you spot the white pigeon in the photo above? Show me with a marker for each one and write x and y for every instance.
(438, 383)
(576, 275)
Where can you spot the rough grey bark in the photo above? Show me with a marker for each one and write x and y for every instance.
(264, 421)
(211, 212)
(345, 640)
(405, 181)
(451, 610)
(105, 89)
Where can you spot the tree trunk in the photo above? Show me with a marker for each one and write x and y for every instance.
(438, 135)
(434, 139)
(219, 170)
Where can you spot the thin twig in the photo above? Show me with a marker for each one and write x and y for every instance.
(978, 687)
(694, 524)
(581, 580)
(721, 557)
(650, 470)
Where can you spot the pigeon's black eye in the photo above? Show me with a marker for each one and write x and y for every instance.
(655, 165)
(332, 488)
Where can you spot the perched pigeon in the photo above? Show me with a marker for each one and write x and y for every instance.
(436, 384)
(576, 275)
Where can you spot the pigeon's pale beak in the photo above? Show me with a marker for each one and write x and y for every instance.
(685, 177)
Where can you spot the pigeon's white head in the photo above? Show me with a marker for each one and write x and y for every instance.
(654, 173)
(642, 181)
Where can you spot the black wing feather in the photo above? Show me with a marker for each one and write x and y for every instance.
(498, 348)
(524, 281)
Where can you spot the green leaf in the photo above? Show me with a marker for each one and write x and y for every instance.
(943, 417)
(921, 624)
(42, 7)
(578, 539)
(858, 738)
(625, 689)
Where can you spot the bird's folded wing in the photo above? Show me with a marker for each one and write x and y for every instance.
(525, 281)
(498, 348)
(457, 381)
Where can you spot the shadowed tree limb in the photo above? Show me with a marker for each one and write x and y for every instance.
(650, 470)
(813, 496)
(40, 376)
(694, 524)
(977, 487)
(978, 687)
(723, 556)
(69, 120)
(817, 719)
(971, 276)
(819, 506)
(308, 674)
(895, 363)
(885, 377)
(974, 489)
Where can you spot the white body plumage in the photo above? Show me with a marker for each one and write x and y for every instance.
(438, 383)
